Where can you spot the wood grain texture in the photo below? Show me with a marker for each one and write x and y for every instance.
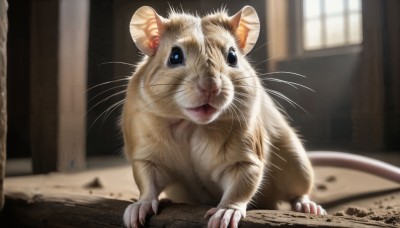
(3, 93)
(368, 104)
(44, 94)
(72, 73)
(58, 83)
(55, 210)
(98, 198)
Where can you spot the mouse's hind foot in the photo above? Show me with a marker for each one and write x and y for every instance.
(305, 205)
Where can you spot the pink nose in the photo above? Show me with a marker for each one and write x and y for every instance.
(209, 86)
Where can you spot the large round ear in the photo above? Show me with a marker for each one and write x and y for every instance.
(146, 28)
(246, 26)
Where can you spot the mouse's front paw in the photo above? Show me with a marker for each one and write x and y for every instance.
(136, 213)
(305, 205)
(224, 217)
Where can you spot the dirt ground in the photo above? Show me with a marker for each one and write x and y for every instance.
(353, 193)
(344, 193)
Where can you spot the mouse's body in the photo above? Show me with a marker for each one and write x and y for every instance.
(197, 122)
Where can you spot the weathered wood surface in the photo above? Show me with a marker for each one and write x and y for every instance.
(98, 198)
(3, 93)
(59, 31)
(67, 210)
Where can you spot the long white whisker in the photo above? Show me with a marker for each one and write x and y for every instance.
(115, 87)
(281, 108)
(180, 79)
(240, 101)
(124, 63)
(180, 96)
(230, 129)
(105, 83)
(254, 65)
(279, 168)
(244, 117)
(112, 108)
(159, 99)
(278, 94)
(161, 84)
(270, 73)
(237, 115)
(283, 72)
(98, 103)
(280, 81)
(246, 86)
(240, 112)
(118, 103)
(293, 84)
(258, 48)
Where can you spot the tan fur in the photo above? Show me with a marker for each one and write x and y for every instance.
(225, 161)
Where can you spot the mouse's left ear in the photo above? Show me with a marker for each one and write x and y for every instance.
(246, 26)
(146, 28)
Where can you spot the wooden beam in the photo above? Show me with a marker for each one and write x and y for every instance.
(368, 104)
(62, 210)
(58, 82)
(3, 93)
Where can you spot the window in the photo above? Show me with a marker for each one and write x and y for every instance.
(331, 23)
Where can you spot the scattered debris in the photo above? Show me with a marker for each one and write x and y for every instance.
(95, 183)
(330, 179)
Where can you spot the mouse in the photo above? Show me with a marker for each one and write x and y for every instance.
(199, 126)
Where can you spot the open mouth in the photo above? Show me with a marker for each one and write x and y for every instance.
(203, 113)
(204, 109)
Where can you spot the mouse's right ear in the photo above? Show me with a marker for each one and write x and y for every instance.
(146, 28)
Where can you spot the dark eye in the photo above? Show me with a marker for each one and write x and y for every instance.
(176, 57)
(231, 58)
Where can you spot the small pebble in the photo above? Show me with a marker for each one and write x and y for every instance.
(330, 179)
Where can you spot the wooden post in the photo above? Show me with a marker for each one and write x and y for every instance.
(368, 109)
(58, 82)
(3, 93)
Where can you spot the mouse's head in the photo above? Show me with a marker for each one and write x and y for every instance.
(195, 67)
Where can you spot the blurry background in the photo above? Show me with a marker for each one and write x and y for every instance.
(348, 51)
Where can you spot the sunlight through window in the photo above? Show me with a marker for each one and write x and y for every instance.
(331, 23)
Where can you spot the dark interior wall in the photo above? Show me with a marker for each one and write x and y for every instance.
(18, 81)
(391, 49)
(102, 133)
(377, 95)
(326, 121)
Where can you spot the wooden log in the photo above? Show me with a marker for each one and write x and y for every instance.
(63, 210)
(3, 93)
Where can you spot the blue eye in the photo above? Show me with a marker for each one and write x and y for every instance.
(176, 57)
(231, 58)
